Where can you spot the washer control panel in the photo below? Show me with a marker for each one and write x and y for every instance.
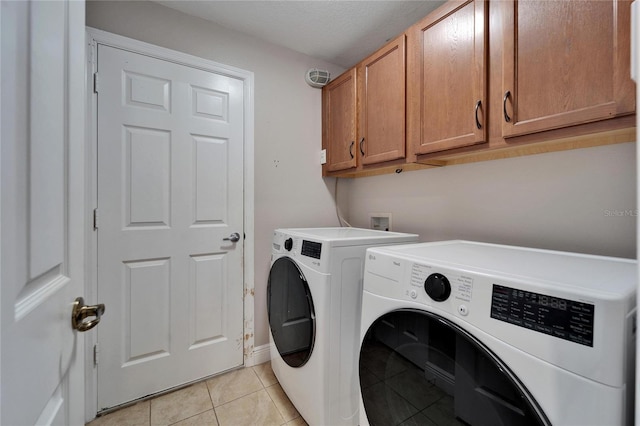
(441, 286)
(437, 287)
(563, 318)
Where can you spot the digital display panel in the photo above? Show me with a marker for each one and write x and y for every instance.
(311, 249)
(562, 318)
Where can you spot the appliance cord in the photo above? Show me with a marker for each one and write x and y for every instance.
(341, 220)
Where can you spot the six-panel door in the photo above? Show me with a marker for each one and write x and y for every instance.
(42, 218)
(170, 194)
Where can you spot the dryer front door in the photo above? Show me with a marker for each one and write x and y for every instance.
(291, 312)
(419, 368)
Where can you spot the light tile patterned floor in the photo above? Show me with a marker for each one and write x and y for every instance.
(249, 396)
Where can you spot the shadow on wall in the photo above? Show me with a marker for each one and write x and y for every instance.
(581, 200)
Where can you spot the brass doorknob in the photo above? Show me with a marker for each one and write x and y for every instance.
(81, 312)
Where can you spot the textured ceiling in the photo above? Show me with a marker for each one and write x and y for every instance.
(338, 31)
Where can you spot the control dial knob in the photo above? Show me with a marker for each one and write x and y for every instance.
(437, 287)
(288, 244)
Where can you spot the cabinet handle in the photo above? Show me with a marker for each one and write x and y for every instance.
(478, 125)
(351, 148)
(361, 146)
(504, 106)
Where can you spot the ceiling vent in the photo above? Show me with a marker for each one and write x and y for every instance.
(317, 78)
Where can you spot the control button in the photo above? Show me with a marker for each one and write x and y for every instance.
(413, 294)
(463, 310)
(437, 287)
(288, 244)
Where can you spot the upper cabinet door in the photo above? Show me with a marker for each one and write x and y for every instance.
(381, 95)
(339, 122)
(565, 63)
(447, 78)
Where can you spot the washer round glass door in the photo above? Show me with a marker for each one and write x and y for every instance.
(419, 368)
(291, 314)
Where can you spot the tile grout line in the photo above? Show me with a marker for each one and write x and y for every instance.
(193, 415)
(276, 405)
(235, 399)
(269, 395)
(197, 414)
(282, 414)
(213, 408)
(263, 387)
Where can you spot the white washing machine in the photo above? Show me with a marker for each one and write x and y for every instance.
(313, 295)
(468, 333)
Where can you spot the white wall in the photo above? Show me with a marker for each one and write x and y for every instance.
(289, 190)
(564, 201)
(582, 200)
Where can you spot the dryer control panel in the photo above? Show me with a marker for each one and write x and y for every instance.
(311, 249)
(305, 251)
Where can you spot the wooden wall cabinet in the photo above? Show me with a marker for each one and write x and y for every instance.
(558, 79)
(447, 80)
(382, 104)
(565, 63)
(364, 112)
(485, 80)
(339, 122)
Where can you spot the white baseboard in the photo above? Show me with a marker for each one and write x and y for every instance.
(261, 354)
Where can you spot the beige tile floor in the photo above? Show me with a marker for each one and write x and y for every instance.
(249, 396)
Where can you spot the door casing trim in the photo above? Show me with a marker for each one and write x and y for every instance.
(93, 38)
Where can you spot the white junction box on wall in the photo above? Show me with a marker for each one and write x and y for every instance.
(380, 221)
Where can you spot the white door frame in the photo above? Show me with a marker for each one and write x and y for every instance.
(95, 37)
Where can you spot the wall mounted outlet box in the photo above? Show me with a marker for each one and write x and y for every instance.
(380, 221)
(323, 156)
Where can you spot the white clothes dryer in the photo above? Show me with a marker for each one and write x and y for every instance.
(469, 333)
(313, 299)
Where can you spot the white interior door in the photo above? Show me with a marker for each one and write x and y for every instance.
(170, 195)
(42, 210)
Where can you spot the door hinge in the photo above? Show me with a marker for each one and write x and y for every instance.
(95, 82)
(96, 354)
(95, 219)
